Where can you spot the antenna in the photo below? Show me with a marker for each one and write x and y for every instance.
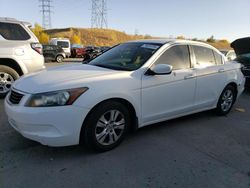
(99, 14)
(46, 13)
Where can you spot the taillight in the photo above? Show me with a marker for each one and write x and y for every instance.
(37, 47)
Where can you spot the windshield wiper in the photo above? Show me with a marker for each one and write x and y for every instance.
(102, 66)
(112, 67)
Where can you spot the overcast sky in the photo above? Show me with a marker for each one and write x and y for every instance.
(225, 19)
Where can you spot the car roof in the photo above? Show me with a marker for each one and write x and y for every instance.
(171, 41)
(60, 39)
(174, 41)
(152, 41)
(13, 20)
(225, 50)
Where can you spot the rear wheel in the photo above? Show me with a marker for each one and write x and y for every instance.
(106, 126)
(226, 100)
(7, 78)
(59, 59)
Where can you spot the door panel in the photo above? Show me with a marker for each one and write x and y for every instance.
(210, 82)
(211, 77)
(164, 96)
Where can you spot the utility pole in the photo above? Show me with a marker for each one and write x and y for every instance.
(99, 14)
(45, 6)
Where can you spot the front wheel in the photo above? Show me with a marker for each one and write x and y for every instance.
(226, 100)
(7, 78)
(106, 126)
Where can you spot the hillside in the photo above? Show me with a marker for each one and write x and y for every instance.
(98, 37)
(108, 37)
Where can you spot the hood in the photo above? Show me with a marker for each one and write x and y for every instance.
(241, 46)
(62, 77)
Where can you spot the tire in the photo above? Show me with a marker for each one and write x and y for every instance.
(226, 100)
(103, 137)
(59, 59)
(7, 78)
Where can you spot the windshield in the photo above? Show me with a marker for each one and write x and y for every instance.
(128, 56)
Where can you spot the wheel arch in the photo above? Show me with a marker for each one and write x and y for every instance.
(125, 102)
(12, 64)
(60, 55)
(234, 84)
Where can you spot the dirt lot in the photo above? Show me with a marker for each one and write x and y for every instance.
(201, 150)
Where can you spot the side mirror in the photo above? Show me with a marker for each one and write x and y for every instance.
(160, 69)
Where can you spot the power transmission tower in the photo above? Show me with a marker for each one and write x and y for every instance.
(99, 14)
(46, 12)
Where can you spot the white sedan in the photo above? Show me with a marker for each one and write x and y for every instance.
(132, 85)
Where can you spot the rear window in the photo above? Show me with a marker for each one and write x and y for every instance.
(11, 31)
(47, 47)
(63, 44)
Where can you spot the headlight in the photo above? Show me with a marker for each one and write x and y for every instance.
(56, 98)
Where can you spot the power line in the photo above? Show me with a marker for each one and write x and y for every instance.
(99, 14)
(46, 7)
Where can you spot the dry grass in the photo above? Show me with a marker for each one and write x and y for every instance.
(109, 37)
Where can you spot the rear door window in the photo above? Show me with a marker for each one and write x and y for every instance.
(218, 58)
(204, 56)
(177, 56)
(11, 31)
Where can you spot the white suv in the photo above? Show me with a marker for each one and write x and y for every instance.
(20, 52)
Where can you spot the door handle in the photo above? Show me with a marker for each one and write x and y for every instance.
(221, 70)
(189, 76)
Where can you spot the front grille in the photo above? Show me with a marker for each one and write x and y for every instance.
(15, 97)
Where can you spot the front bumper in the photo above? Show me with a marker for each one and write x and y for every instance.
(52, 126)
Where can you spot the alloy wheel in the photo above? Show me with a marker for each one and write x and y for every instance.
(6, 80)
(110, 127)
(227, 100)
